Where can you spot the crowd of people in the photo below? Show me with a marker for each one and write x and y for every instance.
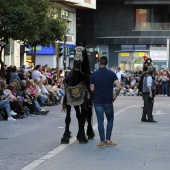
(26, 90)
(131, 87)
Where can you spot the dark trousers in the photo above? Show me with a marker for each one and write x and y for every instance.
(148, 106)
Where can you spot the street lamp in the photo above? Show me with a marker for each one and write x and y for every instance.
(57, 57)
(64, 59)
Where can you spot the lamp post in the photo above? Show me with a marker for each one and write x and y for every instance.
(64, 60)
(57, 58)
(168, 52)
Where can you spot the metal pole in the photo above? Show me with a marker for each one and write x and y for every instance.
(64, 60)
(57, 60)
(168, 52)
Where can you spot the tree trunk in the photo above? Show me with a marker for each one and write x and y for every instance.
(1, 62)
(33, 55)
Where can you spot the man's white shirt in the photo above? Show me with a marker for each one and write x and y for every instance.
(119, 75)
(36, 75)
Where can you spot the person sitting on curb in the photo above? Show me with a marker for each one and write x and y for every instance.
(4, 103)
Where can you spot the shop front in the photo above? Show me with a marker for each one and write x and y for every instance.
(47, 55)
(131, 60)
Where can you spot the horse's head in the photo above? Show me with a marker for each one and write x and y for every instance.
(78, 57)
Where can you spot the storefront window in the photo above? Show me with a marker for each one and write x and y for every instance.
(127, 47)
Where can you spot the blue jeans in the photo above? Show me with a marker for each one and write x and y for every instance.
(5, 104)
(100, 109)
(165, 88)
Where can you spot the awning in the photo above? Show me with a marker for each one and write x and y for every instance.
(147, 2)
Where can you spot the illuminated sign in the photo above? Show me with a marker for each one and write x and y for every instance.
(40, 50)
(124, 54)
(141, 54)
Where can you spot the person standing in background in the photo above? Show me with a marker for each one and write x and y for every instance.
(119, 74)
(148, 93)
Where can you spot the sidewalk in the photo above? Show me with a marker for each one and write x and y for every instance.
(140, 146)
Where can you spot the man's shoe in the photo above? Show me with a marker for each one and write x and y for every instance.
(144, 120)
(110, 143)
(152, 121)
(101, 144)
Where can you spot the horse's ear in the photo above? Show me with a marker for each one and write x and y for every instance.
(83, 43)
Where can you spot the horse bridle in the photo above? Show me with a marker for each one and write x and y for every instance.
(84, 73)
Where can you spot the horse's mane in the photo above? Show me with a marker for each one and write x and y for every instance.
(86, 70)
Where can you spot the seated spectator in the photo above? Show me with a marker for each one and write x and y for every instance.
(123, 90)
(133, 92)
(41, 98)
(36, 73)
(4, 102)
(127, 82)
(31, 103)
(44, 91)
(51, 93)
(15, 102)
(22, 74)
(132, 82)
(14, 75)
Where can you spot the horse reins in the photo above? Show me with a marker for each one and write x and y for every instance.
(84, 73)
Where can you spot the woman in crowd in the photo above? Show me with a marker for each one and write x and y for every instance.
(4, 102)
(165, 83)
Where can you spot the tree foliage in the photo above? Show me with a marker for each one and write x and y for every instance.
(30, 21)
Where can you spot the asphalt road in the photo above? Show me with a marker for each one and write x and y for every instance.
(27, 140)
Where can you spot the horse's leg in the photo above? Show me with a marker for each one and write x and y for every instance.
(82, 138)
(66, 135)
(78, 115)
(89, 113)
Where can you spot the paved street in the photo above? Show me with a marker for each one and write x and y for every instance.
(34, 142)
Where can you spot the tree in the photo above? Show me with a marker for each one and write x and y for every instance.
(28, 21)
(51, 28)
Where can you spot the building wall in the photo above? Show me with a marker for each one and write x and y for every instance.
(113, 24)
(46, 59)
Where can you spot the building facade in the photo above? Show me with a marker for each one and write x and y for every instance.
(127, 30)
(18, 54)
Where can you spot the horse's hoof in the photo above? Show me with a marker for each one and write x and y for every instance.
(65, 140)
(67, 134)
(83, 140)
(90, 137)
(90, 134)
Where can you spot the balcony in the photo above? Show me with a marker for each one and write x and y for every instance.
(152, 26)
(147, 2)
(91, 4)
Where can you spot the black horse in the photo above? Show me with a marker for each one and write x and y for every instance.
(78, 94)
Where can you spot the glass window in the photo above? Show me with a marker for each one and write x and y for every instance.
(139, 47)
(152, 18)
(126, 47)
(70, 23)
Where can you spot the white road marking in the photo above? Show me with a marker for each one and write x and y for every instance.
(158, 112)
(60, 148)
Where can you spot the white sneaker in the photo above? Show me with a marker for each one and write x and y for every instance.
(11, 119)
(12, 113)
(165, 95)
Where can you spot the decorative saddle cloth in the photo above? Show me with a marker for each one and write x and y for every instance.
(76, 94)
